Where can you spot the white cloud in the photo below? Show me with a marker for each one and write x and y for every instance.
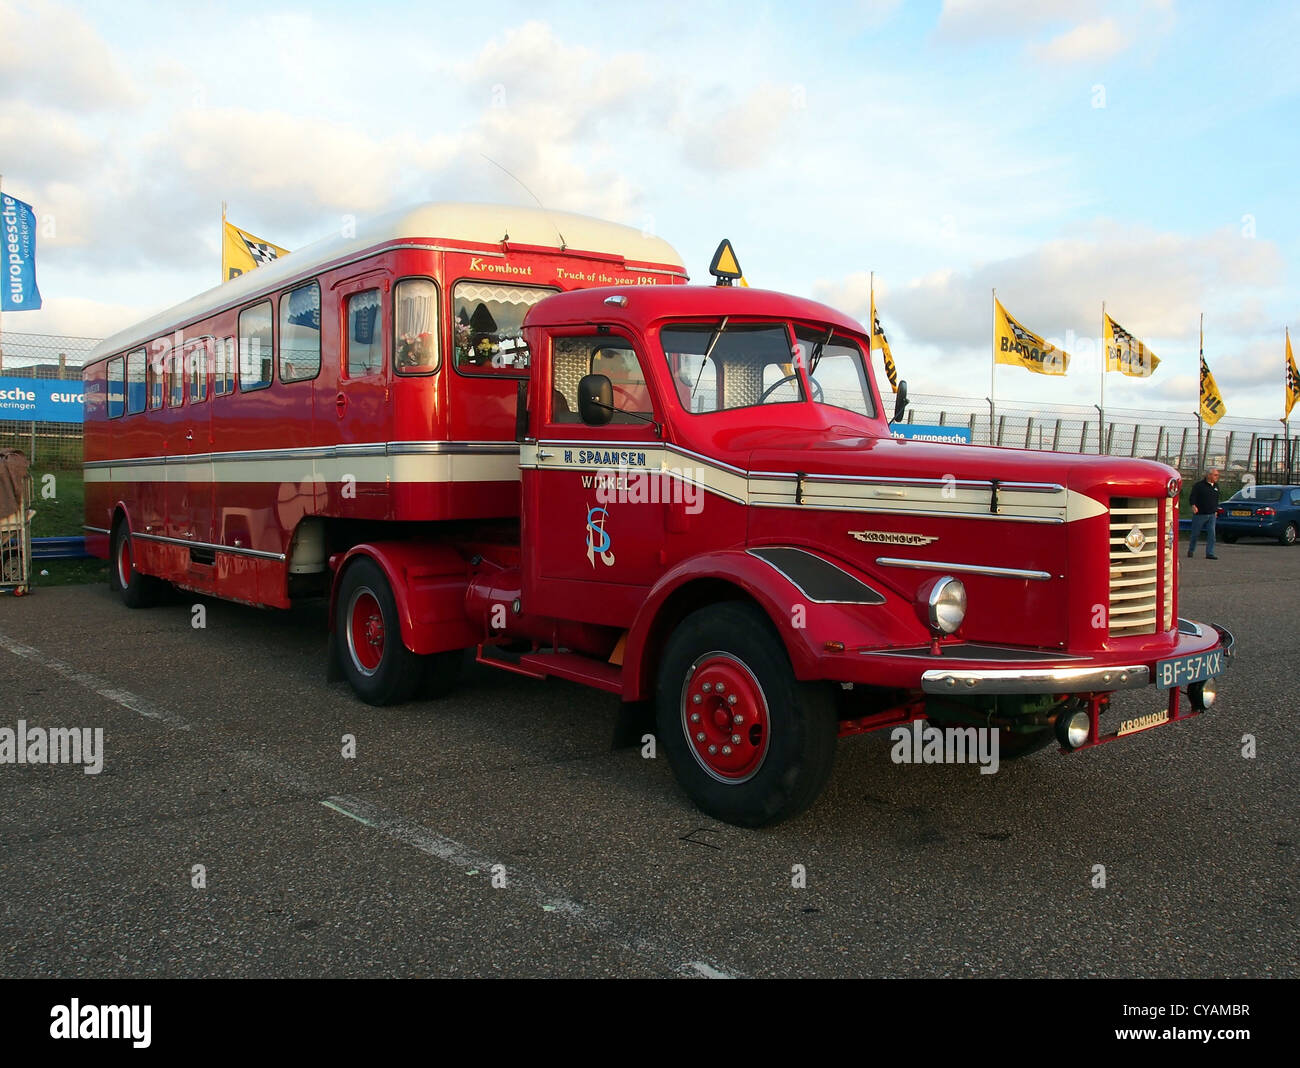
(984, 18)
(51, 53)
(1091, 42)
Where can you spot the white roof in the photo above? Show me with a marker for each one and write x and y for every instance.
(487, 224)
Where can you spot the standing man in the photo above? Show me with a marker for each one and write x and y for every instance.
(1205, 509)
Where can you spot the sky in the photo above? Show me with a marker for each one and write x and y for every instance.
(1144, 154)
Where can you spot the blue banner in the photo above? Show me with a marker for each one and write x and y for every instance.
(42, 400)
(957, 435)
(18, 227)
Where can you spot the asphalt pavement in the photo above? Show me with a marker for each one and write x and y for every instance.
(495, 832)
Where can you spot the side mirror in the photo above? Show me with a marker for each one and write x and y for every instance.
(900, 403)
(596, 400)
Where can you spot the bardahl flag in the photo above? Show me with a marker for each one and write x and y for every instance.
(1292, 379)
(242, 252)
(1125, 353)
(1015, 345)
(879, 341)
(1212, 407)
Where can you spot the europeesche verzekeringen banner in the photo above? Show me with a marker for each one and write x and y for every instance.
(19, 292)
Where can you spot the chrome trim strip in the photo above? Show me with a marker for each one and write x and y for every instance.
(317, 452)
(261, 553)
(969, 569)
(878, 597)
(95, 530)
(1187, 626)
(1035, 680)
(1001, 517)
(886, 480)
(455, 448)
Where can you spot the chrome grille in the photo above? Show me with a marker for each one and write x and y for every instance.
(1135, 562)
(1169, 543)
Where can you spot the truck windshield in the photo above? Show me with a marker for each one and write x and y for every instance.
(751, 364)
(837, 370)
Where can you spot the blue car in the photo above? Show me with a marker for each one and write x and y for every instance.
(1261, 512)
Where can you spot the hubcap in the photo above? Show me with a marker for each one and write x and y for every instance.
(725, 717)
(124, 562)
(365, 631)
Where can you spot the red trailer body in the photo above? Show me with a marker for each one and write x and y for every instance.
(701, 509)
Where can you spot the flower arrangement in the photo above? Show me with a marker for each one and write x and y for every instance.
(416, 350)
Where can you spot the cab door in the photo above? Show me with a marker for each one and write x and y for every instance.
(596, 497)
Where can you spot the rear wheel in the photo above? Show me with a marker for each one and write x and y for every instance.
(135, 589)
(378, 666)
(749, 743)
(1288, 535)
(1231, 539)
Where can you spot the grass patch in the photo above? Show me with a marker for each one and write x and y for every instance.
(68, 572)
(63, 514)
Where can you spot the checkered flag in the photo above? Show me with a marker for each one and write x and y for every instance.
(261, 251)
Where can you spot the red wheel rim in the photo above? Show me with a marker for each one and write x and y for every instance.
(365, 631)
(725, 717)
(124, 567)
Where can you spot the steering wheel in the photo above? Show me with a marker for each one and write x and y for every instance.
(818, 394)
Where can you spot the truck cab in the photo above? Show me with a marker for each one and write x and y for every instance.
(716, 523)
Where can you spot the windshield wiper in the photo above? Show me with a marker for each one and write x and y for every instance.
(817, 352)
(708, 351)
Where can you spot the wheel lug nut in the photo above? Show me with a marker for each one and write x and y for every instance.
(700, 737)
(707, 687)
(695, 717)
(721, 688)
(731, 698)
(735, 739)
(713, 749)
(726, 750)
(696, 699)
(738, 718)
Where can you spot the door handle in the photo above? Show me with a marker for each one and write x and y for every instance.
(189, 435)
(542, 454)
(341, 404)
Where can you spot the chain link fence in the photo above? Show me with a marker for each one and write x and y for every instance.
(48, 356)
(1238, 447)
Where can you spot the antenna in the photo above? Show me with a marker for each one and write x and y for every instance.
(563, 244)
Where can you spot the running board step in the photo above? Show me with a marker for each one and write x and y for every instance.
(571, 666)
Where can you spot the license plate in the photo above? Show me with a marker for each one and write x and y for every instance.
(1239, 511)
(1185, 670)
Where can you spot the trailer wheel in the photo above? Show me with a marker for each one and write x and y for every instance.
(1288, 535)
(378, 667)
(135, 589)
(749, 743)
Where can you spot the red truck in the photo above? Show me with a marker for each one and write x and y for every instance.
(710, 518)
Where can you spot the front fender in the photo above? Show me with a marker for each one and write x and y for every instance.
(428, 581)
(803, 624)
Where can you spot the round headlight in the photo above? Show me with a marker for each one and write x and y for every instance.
(945, 601)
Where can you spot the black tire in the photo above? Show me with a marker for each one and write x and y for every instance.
(1288, 535)
(135, 589)
(791, 759)
(1231, 539)
(380, 669)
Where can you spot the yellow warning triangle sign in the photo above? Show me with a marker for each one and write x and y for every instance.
(725, 267)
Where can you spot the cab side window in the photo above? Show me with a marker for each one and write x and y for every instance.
(572, 358)
(365, 340)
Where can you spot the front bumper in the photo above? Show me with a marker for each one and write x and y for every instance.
(1072, 677)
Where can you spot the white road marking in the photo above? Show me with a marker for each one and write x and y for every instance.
(95, 684)
(392, 825)
(458, 855)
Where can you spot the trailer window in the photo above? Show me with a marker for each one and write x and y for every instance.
(489, 325)
(175, 379)
(255, 347)
(136, 381)
(365, 334)
(154, 372)
(750, 364)
(223, 377)
(300, 333)
(116, 375)
(415, 327)
(197, 359)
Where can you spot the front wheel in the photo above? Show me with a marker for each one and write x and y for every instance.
(378, 667)
(1288, 535)
(135, 589)
(749, 743)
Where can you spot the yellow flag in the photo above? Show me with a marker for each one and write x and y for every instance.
(1125, 353)
(879, 341)
(1292, 380)
(1015, 345)
(1212, 407)
(242, 252)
